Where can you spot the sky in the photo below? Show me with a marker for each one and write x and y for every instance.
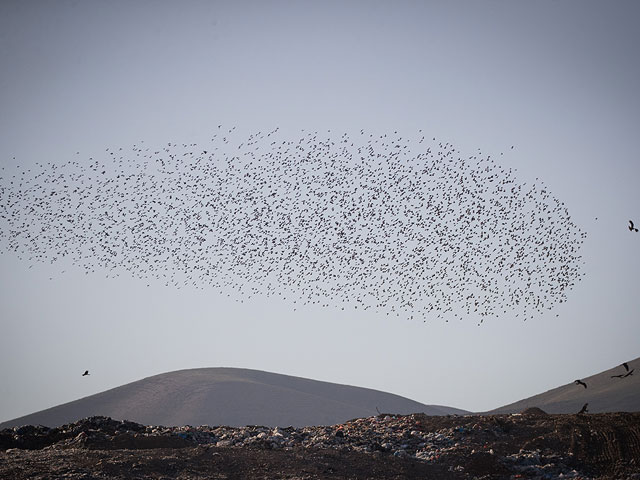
(555, 80)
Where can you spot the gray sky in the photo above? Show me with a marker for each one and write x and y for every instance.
(558, 80)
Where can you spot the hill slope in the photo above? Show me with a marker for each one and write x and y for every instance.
(603, 393)
(232, 397)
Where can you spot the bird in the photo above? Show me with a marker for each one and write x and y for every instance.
(624, 375)
(632, 228)
(580, 382)
(86, 372)
(584, 409)
(326, 219)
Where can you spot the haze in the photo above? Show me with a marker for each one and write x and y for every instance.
(556, 80)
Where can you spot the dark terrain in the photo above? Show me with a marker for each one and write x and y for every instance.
(531, 445)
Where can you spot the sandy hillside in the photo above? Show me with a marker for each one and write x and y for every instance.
(233, 397)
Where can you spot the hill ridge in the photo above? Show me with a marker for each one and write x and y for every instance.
(603, 394)
(230, 396)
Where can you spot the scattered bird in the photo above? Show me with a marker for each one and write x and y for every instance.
(86, 372)
(580, 382)
(375, 222)
(624, 375)
(584, 409)
(632, 228)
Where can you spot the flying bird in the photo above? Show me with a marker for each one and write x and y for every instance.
(86, 372)
(631, 227)
(584, 409)
(624, 375)
(580, 382)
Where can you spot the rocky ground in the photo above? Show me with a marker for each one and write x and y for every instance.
(530, 445)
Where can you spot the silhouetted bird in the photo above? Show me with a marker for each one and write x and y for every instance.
(86, 372)
(580, 382)
(583, 409)
(631, 227)
(623, 375)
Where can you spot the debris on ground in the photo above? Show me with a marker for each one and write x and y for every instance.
(531, 445)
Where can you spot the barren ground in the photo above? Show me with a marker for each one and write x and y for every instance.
(382, 447)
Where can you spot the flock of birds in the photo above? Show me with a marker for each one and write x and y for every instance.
(409, 227)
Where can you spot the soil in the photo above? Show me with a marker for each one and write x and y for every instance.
(533, 445)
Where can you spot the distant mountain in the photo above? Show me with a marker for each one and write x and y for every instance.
(231, 397)
(603, 393)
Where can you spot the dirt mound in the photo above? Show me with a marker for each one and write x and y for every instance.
(382, 447)
(533, 411)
